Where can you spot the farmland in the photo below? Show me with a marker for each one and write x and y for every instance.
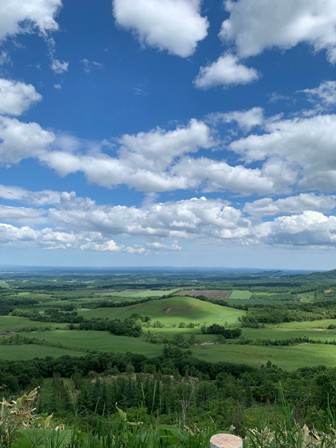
(169, 344)
(288, 320)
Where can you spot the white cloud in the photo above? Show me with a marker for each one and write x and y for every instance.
(304, 145)
(310, 228)
(324, 93)
(159, 148)
(255, 25)
(227, 70)
(107, 246)
(43, 197)
(16, 97)
(144, 159)
(58, 66)
(191, 218)
(17, 16)
(10, 234)
(245, 119)
(291, 205)
(159, 161)
(21, 214)
(20, 140)
(172, 25)
(214, 175)
(82, 224)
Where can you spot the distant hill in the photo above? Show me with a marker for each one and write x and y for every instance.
(326, 276)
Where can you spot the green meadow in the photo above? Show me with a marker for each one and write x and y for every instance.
(142, 294)
(239, 294)
(316, 330)
(10, 324)
(31, 351)
(291, 358)
(173, 310)
(100, 341)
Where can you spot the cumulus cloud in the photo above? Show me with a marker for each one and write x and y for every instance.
(306, 145)
(172, 25)
(159, 147)
(20, 140)
(182, 219)
(107, 246)
(143, 162)
(11, 214)
(16, 97)
(227, 70)
(214, 175)
(160, 227)
(255, 25)
(42, 197)
(310, 228)
(18, 16)
(291, 205)
(245, 119)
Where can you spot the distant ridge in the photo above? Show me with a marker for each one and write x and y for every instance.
(323, 276)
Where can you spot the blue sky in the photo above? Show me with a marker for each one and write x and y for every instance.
(168, 133)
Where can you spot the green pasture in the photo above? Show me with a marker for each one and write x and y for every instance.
(140, 294)
(30, 351)
(172, 310)
(290, 358)
(101, 341)
(240, 294)
(315, 330)
(10, 324)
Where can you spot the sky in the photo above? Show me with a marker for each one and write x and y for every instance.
(168, 133)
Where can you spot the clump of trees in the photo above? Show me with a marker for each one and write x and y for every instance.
(227, 333)
(127, 327)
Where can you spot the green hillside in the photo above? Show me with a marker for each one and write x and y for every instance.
(171, 311)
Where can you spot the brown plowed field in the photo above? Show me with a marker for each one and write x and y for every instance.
(210, 293)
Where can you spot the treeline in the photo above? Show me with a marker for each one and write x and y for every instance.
(9, 303)
(51, 315)
(176, 386)
(227, 333)
(126, 327)
(264, 314)
(170, 385)
(120, 303)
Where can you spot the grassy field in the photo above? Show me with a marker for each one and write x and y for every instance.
(172, 311)
(10, 324)
(140, 294)
(315, 330)
(303, 355)
(30, 351)
(97, 341)
(240, 294)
